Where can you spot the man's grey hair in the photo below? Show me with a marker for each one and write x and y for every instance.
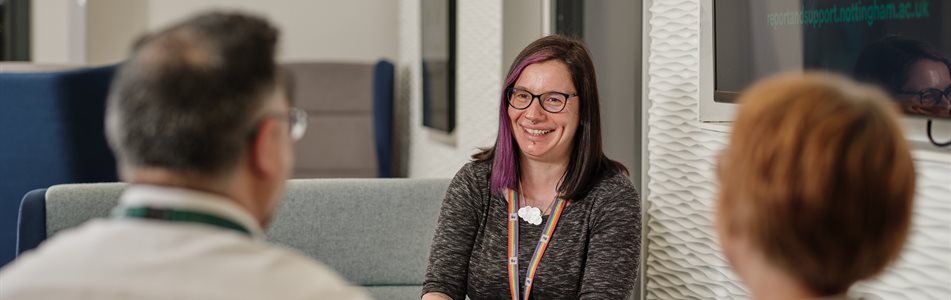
(185, 99)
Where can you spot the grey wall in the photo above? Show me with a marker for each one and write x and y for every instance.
(521, 24)
(612, 30)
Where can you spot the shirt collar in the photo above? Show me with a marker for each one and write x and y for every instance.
(139, 195)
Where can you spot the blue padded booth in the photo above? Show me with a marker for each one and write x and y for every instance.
(383, 74)
(51, 125)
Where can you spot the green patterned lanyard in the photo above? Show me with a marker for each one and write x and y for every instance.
(174, 215)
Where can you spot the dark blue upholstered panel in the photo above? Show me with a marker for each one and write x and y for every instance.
(51, 127)
(383, 74)
(31, 229)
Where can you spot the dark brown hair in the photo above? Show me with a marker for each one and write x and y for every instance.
(818, 177)
(587, 161)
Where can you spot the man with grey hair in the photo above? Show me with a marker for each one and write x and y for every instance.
(203, 129)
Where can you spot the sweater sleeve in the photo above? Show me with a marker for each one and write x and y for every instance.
(614, 247)
(455, 235)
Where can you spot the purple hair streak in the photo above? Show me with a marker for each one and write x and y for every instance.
(505, 162)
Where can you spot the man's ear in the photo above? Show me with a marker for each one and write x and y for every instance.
(264, 152)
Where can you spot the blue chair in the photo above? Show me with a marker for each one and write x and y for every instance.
(52, 127)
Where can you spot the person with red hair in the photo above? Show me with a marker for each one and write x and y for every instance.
(816, 187)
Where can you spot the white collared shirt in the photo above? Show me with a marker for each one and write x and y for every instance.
(189, 200)
(130, 258)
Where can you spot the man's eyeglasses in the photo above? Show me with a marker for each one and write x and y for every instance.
(296, 120)
(930, 97)
(553, 102)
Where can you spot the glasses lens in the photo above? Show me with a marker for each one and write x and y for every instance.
(298, 119)
(931, 97)
(519, 99)
(554, 102)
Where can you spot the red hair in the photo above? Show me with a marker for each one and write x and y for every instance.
(819, 177)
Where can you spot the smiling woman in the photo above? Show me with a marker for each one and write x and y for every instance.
(579, 232)
(544, 132)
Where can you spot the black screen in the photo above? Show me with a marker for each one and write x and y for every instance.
(884, 42)
(438, 47)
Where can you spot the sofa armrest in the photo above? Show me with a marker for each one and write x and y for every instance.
(31, 226)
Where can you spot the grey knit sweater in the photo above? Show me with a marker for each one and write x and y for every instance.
(593, 253)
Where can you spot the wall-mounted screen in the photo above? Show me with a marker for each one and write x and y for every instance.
(438, 47)
(901, 45)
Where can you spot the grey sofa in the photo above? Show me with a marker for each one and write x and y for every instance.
(375, 232)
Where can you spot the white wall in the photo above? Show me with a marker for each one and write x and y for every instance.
(51, 40)
(352, 30)
(111, 27)
(479, 80)
(683, 260)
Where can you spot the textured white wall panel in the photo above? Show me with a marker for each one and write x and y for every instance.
(924, 269)
(683, 260)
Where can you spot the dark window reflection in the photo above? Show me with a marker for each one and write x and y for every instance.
(902, 45)
(914, 72)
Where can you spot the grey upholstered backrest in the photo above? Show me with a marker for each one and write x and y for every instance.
(374, 232)
(68, 205)
(338, 98)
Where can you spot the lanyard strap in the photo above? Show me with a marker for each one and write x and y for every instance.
(174, 215)
(539, 248)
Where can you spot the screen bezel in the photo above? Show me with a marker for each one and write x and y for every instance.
(712, 112)
(709, 109)
(717, 105)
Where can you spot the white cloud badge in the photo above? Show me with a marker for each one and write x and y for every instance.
(532, 215)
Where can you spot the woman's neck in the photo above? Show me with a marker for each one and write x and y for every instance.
(539, 181)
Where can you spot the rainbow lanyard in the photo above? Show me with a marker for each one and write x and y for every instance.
(539, 249)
